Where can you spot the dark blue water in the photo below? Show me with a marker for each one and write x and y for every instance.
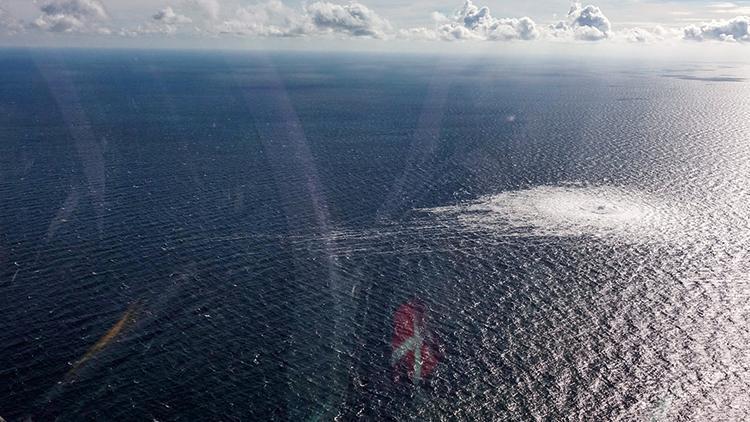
(226, 236)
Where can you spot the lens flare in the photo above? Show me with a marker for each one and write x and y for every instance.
(126, 320)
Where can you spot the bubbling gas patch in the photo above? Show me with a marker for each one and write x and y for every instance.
(569, 210)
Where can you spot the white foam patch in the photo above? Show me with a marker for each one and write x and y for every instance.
(565, 211)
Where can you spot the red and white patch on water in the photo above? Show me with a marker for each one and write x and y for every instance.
(412, 345)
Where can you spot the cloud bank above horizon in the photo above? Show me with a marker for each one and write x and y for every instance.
(264, 19)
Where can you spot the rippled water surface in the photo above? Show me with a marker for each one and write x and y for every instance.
(228, 236)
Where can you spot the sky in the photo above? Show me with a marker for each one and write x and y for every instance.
(499, 25)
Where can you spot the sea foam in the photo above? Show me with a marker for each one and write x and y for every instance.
(568, 210)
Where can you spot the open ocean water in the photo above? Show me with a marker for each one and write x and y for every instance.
(195, 236)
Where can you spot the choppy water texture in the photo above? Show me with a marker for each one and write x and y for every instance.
(227, 237)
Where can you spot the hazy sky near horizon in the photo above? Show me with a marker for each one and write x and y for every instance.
(429, 25)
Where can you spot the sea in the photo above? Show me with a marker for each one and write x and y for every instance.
(190, 235)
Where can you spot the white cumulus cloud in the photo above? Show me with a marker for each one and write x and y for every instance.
(268, 19)
(481, 24)
(649, 35)
(72, 16)
(474, 22)
(353, 19)
(583, 23)
(732, 30)
(166, 21)
(168, 16)
(273, 18)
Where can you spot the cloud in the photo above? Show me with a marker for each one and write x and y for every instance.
(732, 30)
(650, 35)
(78, 8)
(439, 17)
(274, 19)
(165, 22)
(471, 22)
(72, 16)
(210, 8)
(167, 16)
(638, 35)
(353, 19)
(8, 24)
(583, 23)
(480, 22)
(269, 19)
(418, 34)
